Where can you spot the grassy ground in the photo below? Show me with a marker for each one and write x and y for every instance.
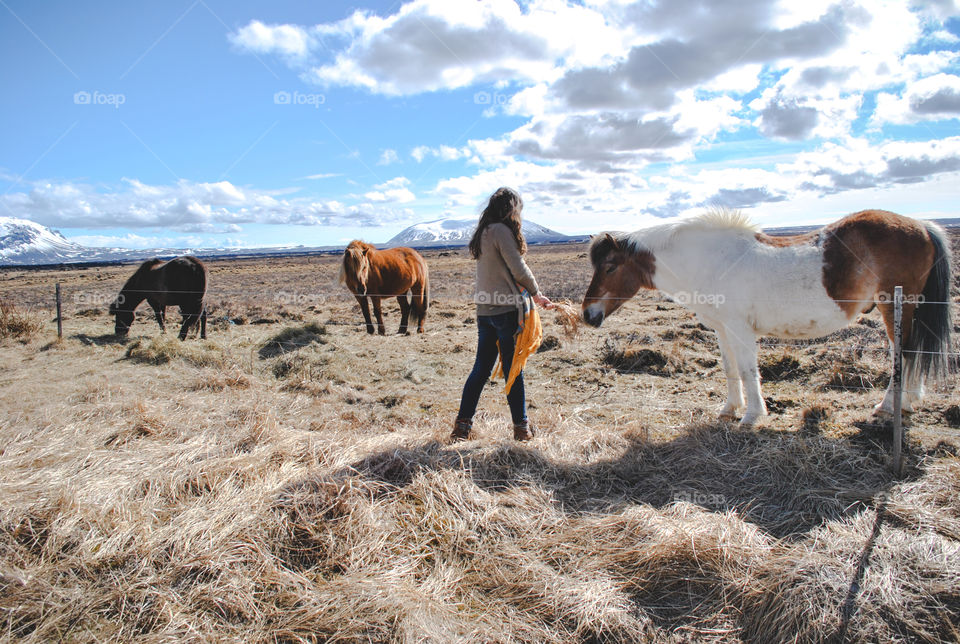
(290, 477)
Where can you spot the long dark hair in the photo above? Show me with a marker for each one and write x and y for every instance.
(504, 207)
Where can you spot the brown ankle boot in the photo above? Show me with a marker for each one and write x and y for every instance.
(461, 429)
(523, 431)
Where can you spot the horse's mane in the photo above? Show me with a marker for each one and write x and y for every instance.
(141, 272)
(722, 219)
(348, 252)
(656, 238)
(359, 243)
(601, 245)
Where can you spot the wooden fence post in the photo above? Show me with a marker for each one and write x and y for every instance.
(59, 315)
(897, 380)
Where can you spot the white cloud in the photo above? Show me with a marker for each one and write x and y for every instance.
(393, 191)
(388, 157)
(624, 136)
(443, 153)
(288, 41)
(189, 206)
(429, 45)
(131, 240)
(857, 165)
(576, 198)
(625, 71)
(825, 115)
(323, 175)
(939, 9)
(928, 99)
(619, 97)
(691, 43)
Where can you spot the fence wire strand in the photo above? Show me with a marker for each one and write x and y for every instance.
(857, 345)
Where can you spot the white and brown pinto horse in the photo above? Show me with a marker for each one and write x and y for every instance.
(744, 284)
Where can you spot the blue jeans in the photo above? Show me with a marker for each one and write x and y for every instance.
(490, 330)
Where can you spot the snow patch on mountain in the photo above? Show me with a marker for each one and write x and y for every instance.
(459, 231)
(26, 242)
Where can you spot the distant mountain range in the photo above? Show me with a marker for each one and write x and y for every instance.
(25, 243)
(454, 232)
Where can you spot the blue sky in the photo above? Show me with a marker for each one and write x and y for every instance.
(208, 123)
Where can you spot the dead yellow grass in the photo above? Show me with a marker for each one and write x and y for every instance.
(293, 482)
(161, 350)
(567, 315)
(18, 324)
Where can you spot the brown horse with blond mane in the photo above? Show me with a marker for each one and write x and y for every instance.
(394, 272)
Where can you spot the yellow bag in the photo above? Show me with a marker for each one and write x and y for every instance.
(526, 341)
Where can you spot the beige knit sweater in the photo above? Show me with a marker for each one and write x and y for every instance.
(500, 268)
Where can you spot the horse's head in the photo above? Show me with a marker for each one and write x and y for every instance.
(123, 316)
(620, 269)
(356, 267)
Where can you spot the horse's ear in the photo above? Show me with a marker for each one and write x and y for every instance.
(613, 241)
(604, 237)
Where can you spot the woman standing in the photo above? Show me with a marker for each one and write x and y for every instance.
(499, 247)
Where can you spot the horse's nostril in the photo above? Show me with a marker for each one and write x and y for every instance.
(593, 318)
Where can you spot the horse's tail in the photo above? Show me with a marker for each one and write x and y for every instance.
(421, 303)
(200, 277)
(927, 350)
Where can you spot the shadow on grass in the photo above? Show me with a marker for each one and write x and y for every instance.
(785, 483)
(293, 338)
(107, 339)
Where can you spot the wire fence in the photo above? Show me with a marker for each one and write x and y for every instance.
(88, 301)
(855, 359)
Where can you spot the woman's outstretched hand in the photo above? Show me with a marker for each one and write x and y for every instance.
(543, 300)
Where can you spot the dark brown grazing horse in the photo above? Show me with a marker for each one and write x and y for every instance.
(182, 282)
(377, 274)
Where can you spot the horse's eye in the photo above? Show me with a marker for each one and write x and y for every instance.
(611, 268)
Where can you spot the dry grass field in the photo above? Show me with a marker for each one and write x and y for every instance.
(290, 478)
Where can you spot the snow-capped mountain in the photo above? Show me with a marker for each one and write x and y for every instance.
(459, 231)
(26, 242)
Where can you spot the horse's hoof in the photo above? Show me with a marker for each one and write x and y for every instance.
(887, 414)
(728, 418)
(750, 420)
